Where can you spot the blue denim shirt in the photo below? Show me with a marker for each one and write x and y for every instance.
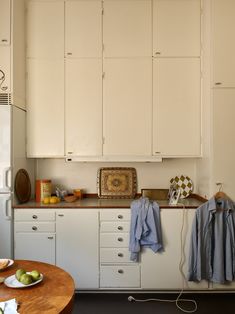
(212, 252)
(145, 228)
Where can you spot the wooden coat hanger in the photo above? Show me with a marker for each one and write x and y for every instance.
(220, 194)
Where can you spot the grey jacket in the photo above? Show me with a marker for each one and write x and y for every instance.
(212, 252)
(145, 229)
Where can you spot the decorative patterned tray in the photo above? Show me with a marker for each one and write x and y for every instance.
(117, 182)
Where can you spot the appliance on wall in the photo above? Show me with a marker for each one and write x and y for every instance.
(12, 158)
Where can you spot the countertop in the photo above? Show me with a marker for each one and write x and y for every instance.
(191, 202)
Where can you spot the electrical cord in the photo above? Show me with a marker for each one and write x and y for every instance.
(181, 264)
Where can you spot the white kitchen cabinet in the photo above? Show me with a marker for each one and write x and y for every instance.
(127, 28)
(5, 69)
(83, 107)
(176, 28)
(83, 28)
(34, 235)
(161, 270)
(176, 107)
(116, 268)
(127, 106)
(223, 22)
(45, 108)
(77, 245)
(5, 22)
(45, 29)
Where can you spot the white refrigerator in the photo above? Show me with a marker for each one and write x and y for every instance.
(12, 158)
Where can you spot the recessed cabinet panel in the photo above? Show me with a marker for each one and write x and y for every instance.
(45, 29)
(83, 28)
(45, 112)
(5, 22)
(83, 108)
(5, 72)
(127, 28)
(176, 28)
(223, 13)
(127, 106)
(176, 106)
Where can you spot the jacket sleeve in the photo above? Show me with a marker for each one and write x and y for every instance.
(134, 245)
(193, 251)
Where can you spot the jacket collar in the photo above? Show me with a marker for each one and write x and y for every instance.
(225, 204)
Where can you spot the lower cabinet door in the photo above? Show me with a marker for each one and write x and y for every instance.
(120, 276)
(35, 247)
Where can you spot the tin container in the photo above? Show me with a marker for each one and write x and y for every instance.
(43, 189)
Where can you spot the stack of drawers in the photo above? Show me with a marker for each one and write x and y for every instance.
(116, 269)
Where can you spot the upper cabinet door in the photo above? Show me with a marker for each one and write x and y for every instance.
(176, 28)
(45, 29)
(127, 28)
(176, 106)
(45, 108)
(83, 28)
(223, 13)
(5, 22)
(83, 107)
(127, 106)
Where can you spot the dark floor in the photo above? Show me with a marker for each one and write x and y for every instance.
(117, 303)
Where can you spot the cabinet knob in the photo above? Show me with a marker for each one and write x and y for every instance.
(120, 239)
(120, 228)
(50, 238)
(120, 271)
(35, 217)
(34, 228)
(120, 254)
(120, 216)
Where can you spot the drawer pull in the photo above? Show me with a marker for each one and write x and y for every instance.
(34, 228)
(61, 215)
(120, 239)
(35, 217)
(120, 271)
(120, 254)
(50, 238)
(120, 216)
(120, 228)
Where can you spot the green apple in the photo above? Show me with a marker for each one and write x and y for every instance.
(26, 279)
(19, 273)
(35, 275)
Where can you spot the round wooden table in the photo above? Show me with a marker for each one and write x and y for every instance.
(54, 294)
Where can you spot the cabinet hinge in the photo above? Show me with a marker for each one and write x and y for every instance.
(103, 75)
(103, 140)
(102, 12)
(103, 47)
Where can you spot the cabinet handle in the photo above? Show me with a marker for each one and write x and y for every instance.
(61, 215)
(120, 254)
(4, 40)
(120, 216)
(50, 238)
(120, 271)
(157, 152)
(34, 228)
(120, 239)
(69, 53)
(218, 83)
(157, 53)
(35, 217)
(69, 153)
(120, 228)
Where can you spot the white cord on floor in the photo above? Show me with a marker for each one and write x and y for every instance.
(181, 264)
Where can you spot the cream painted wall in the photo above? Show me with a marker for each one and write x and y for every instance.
(83, 175)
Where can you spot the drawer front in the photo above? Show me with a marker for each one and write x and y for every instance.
(114, 240)
(33, 215)
(120, 276)
(115, 214)
(120, 226)
(120, 255)
(34, 227)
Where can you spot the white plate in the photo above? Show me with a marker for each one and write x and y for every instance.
(12, 282)
(9, 264)
(184, 184)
